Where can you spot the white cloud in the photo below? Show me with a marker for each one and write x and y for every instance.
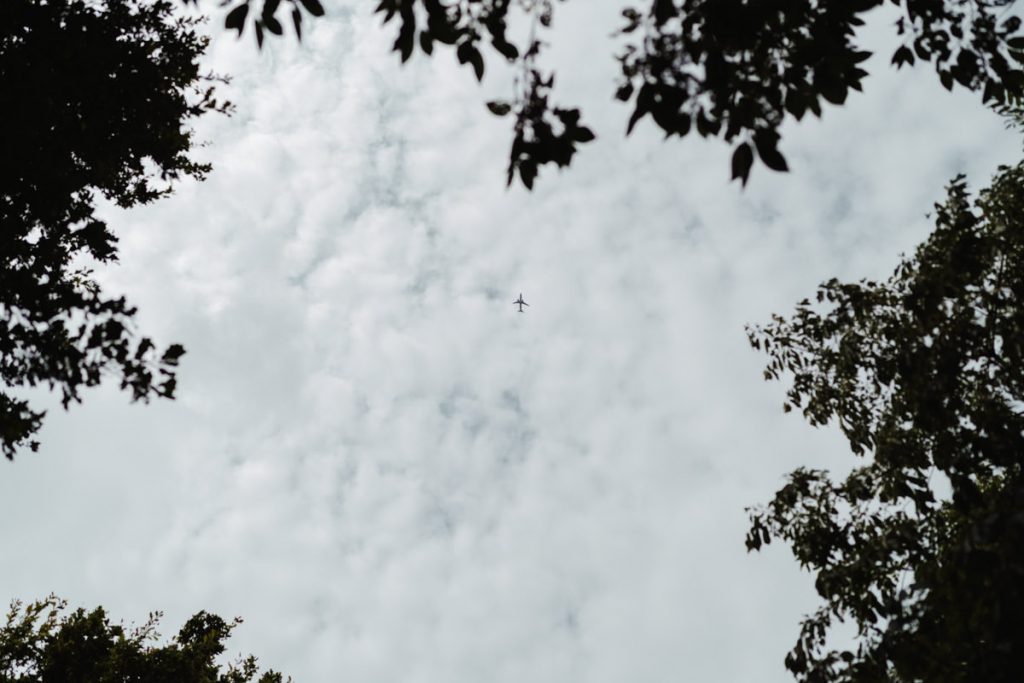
(390, 473)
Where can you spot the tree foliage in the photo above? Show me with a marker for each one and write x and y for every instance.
(922, 546)
(733, 69)
(43, 642)
(97, 101)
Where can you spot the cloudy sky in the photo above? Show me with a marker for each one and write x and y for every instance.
(391, 474)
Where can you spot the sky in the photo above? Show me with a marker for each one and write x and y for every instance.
(389, 472)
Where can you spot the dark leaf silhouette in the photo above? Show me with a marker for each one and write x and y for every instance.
(924, 375)
(266, 19)
(499, 108)
(313, 7)
(45, 641)
(742, 160)
(902, 56)
(273, 25)
(731, 68)
(467, 53)
(767, 148)
(236, 18)
(114, 124)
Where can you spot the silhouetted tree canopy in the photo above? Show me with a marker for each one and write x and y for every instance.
(97, 98)
(730, 68)
(922, 546)
(43, 642)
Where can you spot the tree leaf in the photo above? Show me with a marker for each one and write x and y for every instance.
(145, 345)
(270, 7)
(663, 10)
(78, 333)
(273, 25)
(313, 7)
(499, 108)
(477, 60)
(528, 172)
(507, 49)
(834, 92)
(644, 100)
(173, 354)
(902, 55)
(468, 54)
(767, 149)
(236, 18)
(583, 134)
(742, 160)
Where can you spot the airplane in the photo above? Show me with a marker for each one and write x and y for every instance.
(520, 302)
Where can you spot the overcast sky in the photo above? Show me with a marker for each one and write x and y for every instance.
(391, 474)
